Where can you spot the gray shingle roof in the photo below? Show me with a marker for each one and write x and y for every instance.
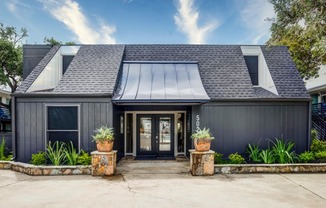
(223, 70)
(94, 70)
(37, 70)
(222, 67)
(287, 79)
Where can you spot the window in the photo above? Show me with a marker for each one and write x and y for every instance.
(7, 101)
(252, 65)
(62, 124)
(66, 60)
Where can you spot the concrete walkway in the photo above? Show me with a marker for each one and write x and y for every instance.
(162, 184)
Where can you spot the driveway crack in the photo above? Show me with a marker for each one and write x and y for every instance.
(10, 184)
(303, 187)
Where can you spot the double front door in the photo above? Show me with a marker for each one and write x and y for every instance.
(155, 134)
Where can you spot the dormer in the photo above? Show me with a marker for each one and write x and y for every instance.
(55, 69)
(257, 68)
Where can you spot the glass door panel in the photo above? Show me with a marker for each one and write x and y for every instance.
(164, 133)
(145, 132)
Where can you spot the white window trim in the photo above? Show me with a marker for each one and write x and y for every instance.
(46, 120)
(262, 67)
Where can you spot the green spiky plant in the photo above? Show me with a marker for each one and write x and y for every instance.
(56, 153)
(71, 154)
(103, 134)
(202, 134)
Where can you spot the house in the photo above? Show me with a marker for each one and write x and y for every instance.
(155, 96)
(317, 89)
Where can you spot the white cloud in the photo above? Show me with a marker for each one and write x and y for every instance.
(11, 5)
(70, 13)
(187, 21)
(253, 16)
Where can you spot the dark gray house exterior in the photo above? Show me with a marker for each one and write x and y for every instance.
(155, 96)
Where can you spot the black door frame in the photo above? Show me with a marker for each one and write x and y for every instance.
(155, 134)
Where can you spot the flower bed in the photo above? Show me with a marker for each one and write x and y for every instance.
(45, 170)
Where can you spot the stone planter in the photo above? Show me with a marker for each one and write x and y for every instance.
(106, 146)
(202, 145)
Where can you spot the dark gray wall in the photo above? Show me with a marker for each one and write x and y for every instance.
(30, 122)
(33, 54)
(235, 124)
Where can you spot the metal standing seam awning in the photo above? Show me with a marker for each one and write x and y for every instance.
(167, 82)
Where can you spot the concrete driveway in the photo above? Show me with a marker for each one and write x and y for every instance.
(162, 184)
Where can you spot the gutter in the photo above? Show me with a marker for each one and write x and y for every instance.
(262, 99)
(62, 95)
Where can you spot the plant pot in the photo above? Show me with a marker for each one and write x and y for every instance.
(202, 145)
(106, 146)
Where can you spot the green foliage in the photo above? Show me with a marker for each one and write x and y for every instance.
(254, 153)
(283, 151)
(267, 156)
(236, 159)
(317, 145)
(218, 158)
(52, 41)
(3, 155)
(39, 158)
(202, 134)
(11, 56)
(71, 154)
(321, 156)
(103, 134)
(300, 25)
(84, 158)
(306, 157)
(313, 134)
(56, 153)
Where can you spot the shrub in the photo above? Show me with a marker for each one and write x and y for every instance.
(313, 134)
(283, 151)
(267, 156)
(218, 158)
(318, 145)
(236, 159)
(321, 156)
(84, 158)
(71, 154)
(254, 151)
(39, 158)
(56, 153)
(3, 155)
(307, 157)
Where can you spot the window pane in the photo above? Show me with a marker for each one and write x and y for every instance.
(165, 134)
(66, 60)
(129, 133)
(252, 65)
(64, 136)
(181, 132)
(62, 118)
(145, 134)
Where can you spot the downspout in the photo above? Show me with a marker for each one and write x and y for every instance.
(13, 126)
(309, 125)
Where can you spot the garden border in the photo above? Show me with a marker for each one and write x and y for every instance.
(34, 170)
(270, 168)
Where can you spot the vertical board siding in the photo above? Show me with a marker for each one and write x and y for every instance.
(30, 124)
(235, 126)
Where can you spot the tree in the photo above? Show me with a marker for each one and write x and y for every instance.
(11, 56)
(301, 25)
(52, 41)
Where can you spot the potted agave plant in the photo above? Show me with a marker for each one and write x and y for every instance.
(202, 139)
(104, 138)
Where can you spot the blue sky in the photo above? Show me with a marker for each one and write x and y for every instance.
(141, 21)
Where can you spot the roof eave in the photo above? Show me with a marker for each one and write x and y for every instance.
(261, 99)
(61, 95)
